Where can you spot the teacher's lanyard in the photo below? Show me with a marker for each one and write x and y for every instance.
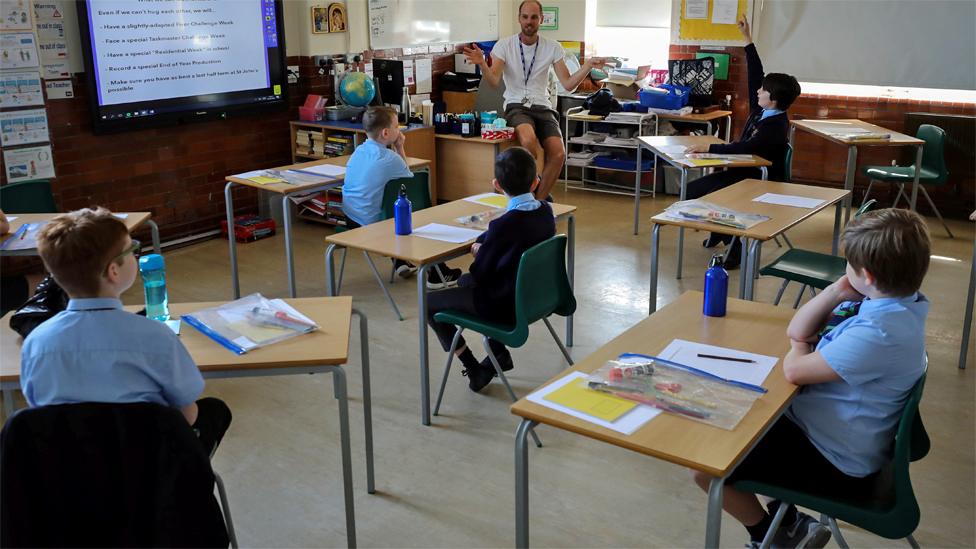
(528, 73)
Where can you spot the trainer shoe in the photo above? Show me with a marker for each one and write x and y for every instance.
(805, 532)
(478, 377)
(404, 269)
(435, 282)
(504, 360)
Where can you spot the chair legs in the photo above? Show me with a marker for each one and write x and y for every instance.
(559, 342)
(228, 521)
(447, 369)
(911, 541)
(936, 210)
(342, 269)
(838, 537)
(777, 519)
(799, 296)
(379, 279)
(867, 192)
(788, 243)
(501, 375)
(782, 288)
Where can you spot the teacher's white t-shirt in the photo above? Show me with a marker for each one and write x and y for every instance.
(521, 83)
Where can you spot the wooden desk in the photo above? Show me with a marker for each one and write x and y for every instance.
(659, 145)
(467, 164)
(286, 191)
(703, 118)
(324, 350)
(830, 130)
(739, 197)
(132, 220)
(752, 327)
(379, 238)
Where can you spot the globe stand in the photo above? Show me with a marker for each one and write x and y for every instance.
(343, 110)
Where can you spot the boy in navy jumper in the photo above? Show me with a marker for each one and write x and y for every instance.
(766, 134)
(488, 290)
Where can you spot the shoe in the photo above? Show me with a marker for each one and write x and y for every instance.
(805, 532)
(734, 256)
(715, 239)
(404, 269)
(505, 361)
(478, 377)
(451, 276)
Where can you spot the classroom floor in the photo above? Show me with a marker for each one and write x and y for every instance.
(451, 484)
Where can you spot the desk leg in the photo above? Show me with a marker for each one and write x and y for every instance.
(835, 243)
(522, 483)
(655, 248)
(330, 281)
(570, 269)
(743, 267)
(708, 127)
(713, 520)
(422, 324)
(229, 201)
(289, 253)
(967, 324)
(367, 399)
(681, 230)
(154, 229)
(728, 129)
(918, 169)
(849, 180)
(339, 383)
(637, 192)
(765, 172)
(751, 268)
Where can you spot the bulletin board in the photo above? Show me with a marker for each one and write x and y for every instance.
(703, 31)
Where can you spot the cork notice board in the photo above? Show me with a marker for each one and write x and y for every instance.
(703, 31)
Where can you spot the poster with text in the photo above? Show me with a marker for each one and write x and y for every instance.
(23, 127)
(50, 10)
(50, 31)
(55, 70)
(59, 89)
(16, 15)
(29, 163)
(18, 50)
(20, 89)
(53, 51)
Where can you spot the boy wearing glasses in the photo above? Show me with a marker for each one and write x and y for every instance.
(94, 351)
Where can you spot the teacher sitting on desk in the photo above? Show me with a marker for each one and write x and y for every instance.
(523, 61)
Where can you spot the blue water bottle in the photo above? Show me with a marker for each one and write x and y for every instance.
(716, 287)
(402, 212)
(153, 270)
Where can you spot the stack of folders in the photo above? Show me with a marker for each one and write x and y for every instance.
(250, 322)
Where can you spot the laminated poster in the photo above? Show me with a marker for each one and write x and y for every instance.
(23, 127)
(50, 10)
(59, 89)
(16, 15)
(18, 50)
(20, 89)
(29, 163)
(54, 51)
(55, 70)
(50, 31)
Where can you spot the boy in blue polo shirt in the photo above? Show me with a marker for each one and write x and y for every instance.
(94, 351)
(858, 348)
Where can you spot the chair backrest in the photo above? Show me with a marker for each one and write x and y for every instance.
(911, 444)
(933, 152)
(542, 285)
(27, 197)
(788, 165)
(99, 474)
(866, 207)
(418, 192)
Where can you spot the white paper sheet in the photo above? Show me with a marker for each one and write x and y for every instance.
(671, 150)
(789, 200)
(408, 76)
(626, 424)
(446, 233)
(724, 12)
(121, 216)
(686, 353)
(424, 68)
(696, 9)
(330, 170)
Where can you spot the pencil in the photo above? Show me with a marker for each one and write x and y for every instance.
(733, 359)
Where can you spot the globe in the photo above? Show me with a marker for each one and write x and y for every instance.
(357, 89)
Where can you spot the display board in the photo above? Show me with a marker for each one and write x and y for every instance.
(710, 22)
(405, 23)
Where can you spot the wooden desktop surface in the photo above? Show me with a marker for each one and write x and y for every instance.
(286, 188)
(454, 137)
(747, 326)
(700, 117)
(133, 220)
(781, 218)
(329, 345)
(829, 127)
(655, 142)
(380, 238)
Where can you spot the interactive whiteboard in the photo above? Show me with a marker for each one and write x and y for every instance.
(405, 23)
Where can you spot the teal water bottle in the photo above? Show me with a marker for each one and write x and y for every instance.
(153, 270)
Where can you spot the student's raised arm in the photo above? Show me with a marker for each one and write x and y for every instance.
(754, 67)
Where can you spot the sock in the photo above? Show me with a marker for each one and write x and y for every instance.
(468, 359)
(758, 531)
(788, 518)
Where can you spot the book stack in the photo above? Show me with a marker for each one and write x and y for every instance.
(338, 144)
(303, 142)
(325, 206)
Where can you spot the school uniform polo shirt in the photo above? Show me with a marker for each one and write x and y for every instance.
(94, 351)
(879, 354)
(369, 169)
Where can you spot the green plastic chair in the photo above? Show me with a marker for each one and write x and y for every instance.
(541, 289)
(890, 510)
(27, 197)
(812, 269)
(933, 172)
(418, 192)
(787, 178)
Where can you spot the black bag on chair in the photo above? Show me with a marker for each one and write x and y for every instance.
(48, 300)
(601, 103)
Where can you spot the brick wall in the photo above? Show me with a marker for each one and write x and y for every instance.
(819, 162)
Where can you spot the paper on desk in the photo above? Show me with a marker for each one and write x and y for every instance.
(24, 238)
(446, 233)
(626, 424)
(686, 353)
(12, 218)
(494, 200)
(724, 12)
(578, 396)
(702, 162)
(671, 150)
(789, 200)
(121, 216)
(330, 170)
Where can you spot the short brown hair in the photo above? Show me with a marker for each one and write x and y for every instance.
(891, 244)
(77, 247)
(377, 118)
(536, 2)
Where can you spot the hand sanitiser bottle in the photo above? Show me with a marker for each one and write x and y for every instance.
(153, 270)
(716, 287)
(402, 212)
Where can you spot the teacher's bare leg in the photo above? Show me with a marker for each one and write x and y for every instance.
(555, 157)
(527, 139)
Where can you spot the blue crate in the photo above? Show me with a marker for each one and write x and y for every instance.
(676, 98)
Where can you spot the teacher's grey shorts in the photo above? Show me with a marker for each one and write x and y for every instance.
(542, 119)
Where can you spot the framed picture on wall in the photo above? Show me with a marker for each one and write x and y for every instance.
(320, 20)
(550, 19)
(337, 17)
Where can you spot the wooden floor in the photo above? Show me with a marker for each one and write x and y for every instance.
(451, 485)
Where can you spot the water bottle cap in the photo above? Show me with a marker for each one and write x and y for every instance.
(718, 260)
(151, 262)
(403, 190)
